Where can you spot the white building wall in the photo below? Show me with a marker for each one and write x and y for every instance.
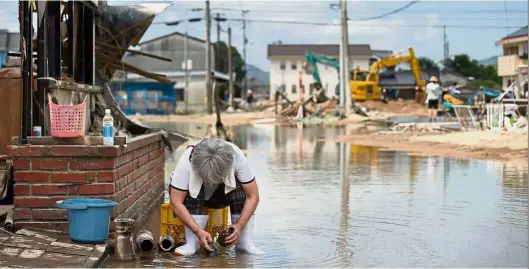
(289, 76)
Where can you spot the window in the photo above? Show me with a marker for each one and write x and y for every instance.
(311, 88)
(525, 50)
(511, 50)
(282, 65)
(283, 88)
(294, 65)
(179, 94)
(294, 88)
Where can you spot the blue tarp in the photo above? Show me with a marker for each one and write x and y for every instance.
(145, 97)
(3, 59)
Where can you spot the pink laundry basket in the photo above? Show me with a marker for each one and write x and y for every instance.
(67, 121)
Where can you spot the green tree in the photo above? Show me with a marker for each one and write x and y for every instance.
(428, 65)
(236, 61)
(486, 76)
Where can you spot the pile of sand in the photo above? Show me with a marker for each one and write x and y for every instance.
(479, 139)
(503, 146)
(399, 107)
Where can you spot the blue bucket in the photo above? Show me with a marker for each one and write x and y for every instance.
(88, 219)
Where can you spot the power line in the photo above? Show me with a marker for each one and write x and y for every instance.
(387, 14)
(459, 26)
(319, 10)
(370, 25)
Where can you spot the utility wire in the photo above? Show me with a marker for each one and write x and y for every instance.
(319, 10)
(459, 26)
(367, 25)
(414, 17)
(386, 14)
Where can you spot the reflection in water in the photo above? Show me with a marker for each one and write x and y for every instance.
(300, 141)
(328, 204)
(413, 173)
(343, 245)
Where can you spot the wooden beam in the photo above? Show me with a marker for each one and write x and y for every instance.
(134, 51)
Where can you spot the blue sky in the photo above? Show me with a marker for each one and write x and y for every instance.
(414, 26)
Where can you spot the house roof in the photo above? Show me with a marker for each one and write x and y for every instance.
(327, 49)
(520, 33)
(381, 53)
(181, 74)
(172, 34)
(399, 78)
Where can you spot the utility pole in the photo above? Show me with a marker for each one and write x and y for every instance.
(186, 67)
(447, 50)
(209, 90)
(230, 72)
(245, 41)
(340, 75)
(217, 50)
(218, 27)
(345, 40)
(444, 44)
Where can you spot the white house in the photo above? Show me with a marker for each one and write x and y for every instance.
(514, 56)
(286, 61)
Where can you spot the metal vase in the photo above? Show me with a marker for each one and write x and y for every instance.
(125, 248)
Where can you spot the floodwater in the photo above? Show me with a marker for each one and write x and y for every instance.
(328, 204)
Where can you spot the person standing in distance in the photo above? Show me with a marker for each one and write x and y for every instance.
(433, 93)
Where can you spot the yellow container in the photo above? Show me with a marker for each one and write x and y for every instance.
(170, 224)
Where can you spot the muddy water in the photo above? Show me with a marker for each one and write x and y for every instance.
(327, 204)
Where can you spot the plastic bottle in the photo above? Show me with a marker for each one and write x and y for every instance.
(108, 129)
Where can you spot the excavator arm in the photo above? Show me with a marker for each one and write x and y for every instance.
(313, 60)
(392, 61)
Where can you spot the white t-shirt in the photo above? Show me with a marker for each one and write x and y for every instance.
(180, 178)
(433, 91)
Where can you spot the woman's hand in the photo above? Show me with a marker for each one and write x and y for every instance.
(205, 239)
(232, 238)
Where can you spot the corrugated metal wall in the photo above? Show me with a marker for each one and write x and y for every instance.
(10, 106)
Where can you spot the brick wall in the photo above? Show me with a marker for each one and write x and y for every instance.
(130, 174)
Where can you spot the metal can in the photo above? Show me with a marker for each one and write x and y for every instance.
(37, 131)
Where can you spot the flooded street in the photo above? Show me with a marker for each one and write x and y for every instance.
(328, 204)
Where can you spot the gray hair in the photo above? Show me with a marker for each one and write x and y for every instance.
(212, 160)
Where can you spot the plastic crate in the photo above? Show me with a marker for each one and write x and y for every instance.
(171, 225)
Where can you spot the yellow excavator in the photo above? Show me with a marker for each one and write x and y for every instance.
(364, 85)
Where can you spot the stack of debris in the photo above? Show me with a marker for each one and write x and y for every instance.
(308, 107)
(422, 128)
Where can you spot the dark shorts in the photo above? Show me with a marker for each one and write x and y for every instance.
(433, 104)
(234, 199)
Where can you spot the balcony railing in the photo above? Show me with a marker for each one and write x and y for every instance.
(507, 65)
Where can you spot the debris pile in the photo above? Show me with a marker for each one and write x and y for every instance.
(421, 128)
(311, 107)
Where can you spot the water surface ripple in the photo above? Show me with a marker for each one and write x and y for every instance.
(326, 204)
